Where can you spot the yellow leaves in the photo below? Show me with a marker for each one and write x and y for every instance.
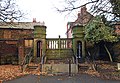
(92, 72)
(8, 72)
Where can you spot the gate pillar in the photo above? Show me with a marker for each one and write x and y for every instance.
(39, 36)
(78, 36)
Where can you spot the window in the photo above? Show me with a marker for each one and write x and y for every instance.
(7, 34)
(28, 43)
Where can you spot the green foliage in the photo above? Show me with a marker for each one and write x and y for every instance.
(115, 7)
(96, 31)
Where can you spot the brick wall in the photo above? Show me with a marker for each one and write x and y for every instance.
(8, 52)
(9, 33)
(13, 48)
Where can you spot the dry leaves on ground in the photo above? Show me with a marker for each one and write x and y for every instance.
(92, 72)
(8, 72)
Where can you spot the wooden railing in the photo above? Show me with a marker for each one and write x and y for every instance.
(59, 43)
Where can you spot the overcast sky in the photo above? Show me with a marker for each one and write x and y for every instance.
(44, 10)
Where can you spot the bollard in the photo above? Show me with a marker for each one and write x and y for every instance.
(69, 67)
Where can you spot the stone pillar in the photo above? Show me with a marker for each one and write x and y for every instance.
(39, 35)
(78, 35)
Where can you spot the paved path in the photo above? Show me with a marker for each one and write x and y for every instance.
(60, 79)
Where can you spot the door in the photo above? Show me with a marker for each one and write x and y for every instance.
(79, 49)
(39, 49)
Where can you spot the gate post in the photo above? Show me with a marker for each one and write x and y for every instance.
(39, 35)
(69, 67)
(78, 35)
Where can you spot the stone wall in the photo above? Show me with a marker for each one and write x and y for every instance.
(59, 68)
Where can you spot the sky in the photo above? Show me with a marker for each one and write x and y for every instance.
(44, 10)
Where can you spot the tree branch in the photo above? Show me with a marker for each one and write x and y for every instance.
(73, 8)
(9, 11)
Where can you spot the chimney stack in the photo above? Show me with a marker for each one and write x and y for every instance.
(79, 14)
(34, 19)
(83, 10)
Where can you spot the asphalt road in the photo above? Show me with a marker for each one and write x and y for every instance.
(60, 79)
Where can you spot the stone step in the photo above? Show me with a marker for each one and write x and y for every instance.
(32, 67)
(36, 60)
(83, 66)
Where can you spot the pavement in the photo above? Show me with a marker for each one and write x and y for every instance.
(60, 79)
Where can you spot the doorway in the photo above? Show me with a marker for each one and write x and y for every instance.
(79, 49)
(39, 49)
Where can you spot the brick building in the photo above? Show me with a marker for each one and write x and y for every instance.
(15, 40)
(83, 18)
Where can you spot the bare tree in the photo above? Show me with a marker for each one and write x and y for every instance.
(96, 7)
(9, 11)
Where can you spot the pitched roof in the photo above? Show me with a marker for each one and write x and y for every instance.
(83, 18)
(20, 25)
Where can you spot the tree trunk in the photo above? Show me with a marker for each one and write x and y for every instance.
(110, 56)
(91, 62)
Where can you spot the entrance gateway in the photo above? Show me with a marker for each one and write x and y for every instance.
(56, 54)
